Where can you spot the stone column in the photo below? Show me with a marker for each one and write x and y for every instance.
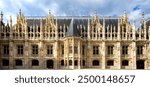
(41, 54)
(99, 55)
(26, 55)
(103, 31)
(118, 36)
(11, 54)
(56, 50)
(66, 61)
(103, 55)
(79, 55)
(73, 40)
(89, 55)
(134, 55)
(119, 55)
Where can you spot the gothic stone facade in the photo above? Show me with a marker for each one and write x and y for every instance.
(83, 42)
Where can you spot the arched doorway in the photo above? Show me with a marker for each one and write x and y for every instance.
(50, 64)
(140, 64)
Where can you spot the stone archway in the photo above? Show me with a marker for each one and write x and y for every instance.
(50, 64)
(140, 64)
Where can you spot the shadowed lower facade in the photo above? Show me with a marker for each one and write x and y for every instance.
(78, 42)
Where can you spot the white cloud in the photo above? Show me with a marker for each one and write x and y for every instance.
(75, 7)
(2, 4)
(135, 14)
(29, 1)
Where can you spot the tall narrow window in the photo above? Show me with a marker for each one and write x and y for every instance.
(20, 49)
(6, 49)
(76, 62)
(70, 49)
(70, 62)
(75, 49)
(140, 50)
(49, 49)
(62, 49)
(62, 62)
(34, 49)
(110, 50)
(95, 50)
(83, 50)
(124, 49)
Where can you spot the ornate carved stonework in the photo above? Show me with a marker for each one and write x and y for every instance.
(75, 42)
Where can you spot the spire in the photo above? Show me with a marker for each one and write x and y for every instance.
(73, 31)
(95, 13)
(125, 13)
(143, 15)
(49, 12)
(10, 18)
(1, 19)
(20, 12)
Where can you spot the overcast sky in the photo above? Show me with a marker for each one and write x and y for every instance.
(134, 8)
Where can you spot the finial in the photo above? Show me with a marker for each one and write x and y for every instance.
(143, 15)
(134, 21)
(7, 22)
(95, 12)
(49, 12)
(10, 18)
(125, 13)
(1, 15)
(20, 12)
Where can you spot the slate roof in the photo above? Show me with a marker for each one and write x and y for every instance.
(73, 22)
(73, 31)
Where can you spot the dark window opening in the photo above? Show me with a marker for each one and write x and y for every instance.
(50, 49)
(124, 50)
(140, 64)
(18, 62)
(95, 50)
(110, 63)
(125, 63)
(20, 49)
(50, 64)
(76, 62)
(140, 50)
(95, 63)
(70, 49)
(83, 50)
(83, 62)
(70, 62)
(110, 50)
(62, 62)
(62, 49)
(5, 62)
(75, 49)
(6, 49)
(35, 63)
(34, 49)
